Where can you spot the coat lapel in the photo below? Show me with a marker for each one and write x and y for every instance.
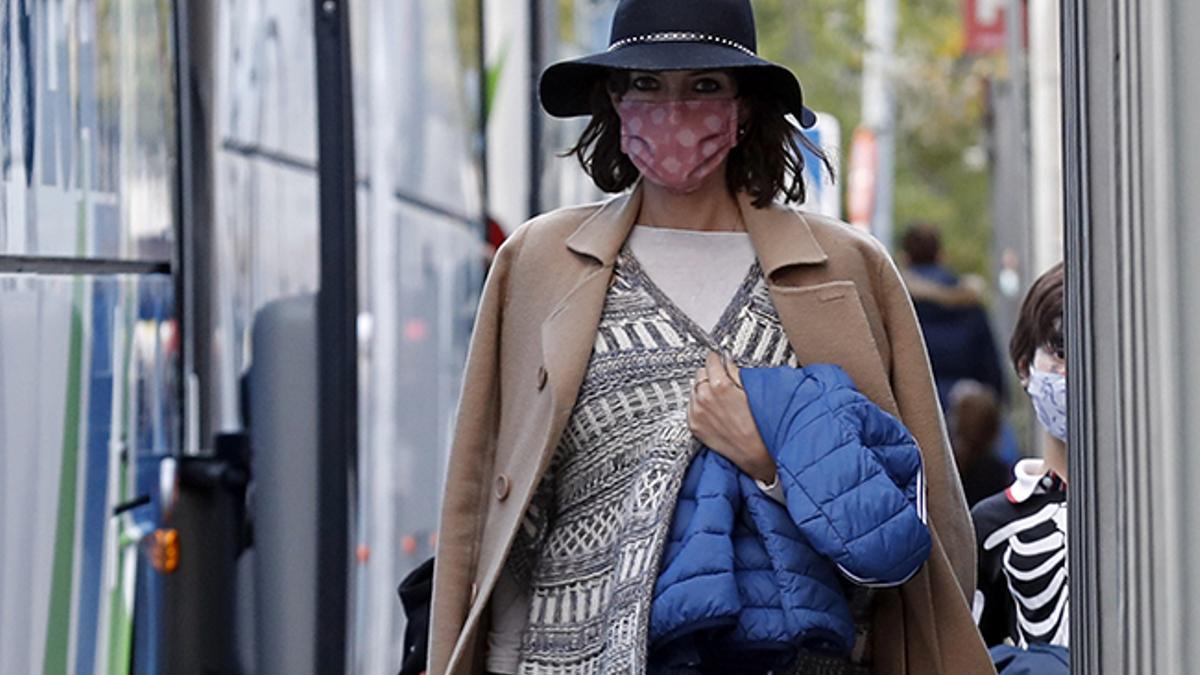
(568, 335)
(569, 332)
(825, 322)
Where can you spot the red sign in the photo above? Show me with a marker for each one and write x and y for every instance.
(862, 178)
(986, 23)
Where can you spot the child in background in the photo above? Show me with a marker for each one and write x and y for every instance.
(973, 419)
(1021, 603)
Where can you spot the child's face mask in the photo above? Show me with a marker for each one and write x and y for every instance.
(1048, 391)
(678, 144)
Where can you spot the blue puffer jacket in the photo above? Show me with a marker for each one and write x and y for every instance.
(744, 579)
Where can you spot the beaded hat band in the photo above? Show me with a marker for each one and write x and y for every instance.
(678, 36)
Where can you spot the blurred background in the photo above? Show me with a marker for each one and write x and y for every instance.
(165, 499)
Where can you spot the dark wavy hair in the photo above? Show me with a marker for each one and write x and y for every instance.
(766, 163)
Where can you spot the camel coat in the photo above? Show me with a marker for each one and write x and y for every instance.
(840, 300)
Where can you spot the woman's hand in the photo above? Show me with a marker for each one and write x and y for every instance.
(719, 415)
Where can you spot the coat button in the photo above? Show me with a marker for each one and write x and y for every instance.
(543, 377)
(503, 485)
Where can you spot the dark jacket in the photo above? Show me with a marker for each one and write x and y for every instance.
(1036, 660)
(957, 334)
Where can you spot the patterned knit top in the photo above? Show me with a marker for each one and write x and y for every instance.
(590, 545)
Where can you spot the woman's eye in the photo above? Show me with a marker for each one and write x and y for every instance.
(706, 86)
(645, 84)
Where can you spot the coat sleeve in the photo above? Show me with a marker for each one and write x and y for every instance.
(851, 473)
(917, 402)
(472, 455)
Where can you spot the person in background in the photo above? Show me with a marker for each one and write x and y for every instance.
(1021, 604)
(973, 419)
(952, 316)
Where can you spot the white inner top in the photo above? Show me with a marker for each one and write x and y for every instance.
(698, 271)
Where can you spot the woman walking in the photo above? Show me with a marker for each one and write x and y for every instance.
(607, 348)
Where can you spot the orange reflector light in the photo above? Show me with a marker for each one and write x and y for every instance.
(410, 545)
(363, 553)
(164, 550)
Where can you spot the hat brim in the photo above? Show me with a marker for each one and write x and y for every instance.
(566, 87)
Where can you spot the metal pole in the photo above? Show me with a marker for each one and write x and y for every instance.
(337, 312)
(196, 632)
(482, 131)
(1045, 135)
(879, 109)
(1130, 98)
(1085, 550)
(1011, 214)
(536, 56)
(189, 134)
(1014, 16)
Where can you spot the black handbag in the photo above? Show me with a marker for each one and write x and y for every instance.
(416, 595)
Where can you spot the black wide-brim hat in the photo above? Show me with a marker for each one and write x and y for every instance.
(671, 35)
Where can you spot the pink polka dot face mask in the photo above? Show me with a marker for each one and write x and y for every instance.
(677, 144)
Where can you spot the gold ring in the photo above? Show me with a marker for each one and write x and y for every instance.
(699, 381)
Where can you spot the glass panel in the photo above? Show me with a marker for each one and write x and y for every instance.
(574, 28)
(424, 275)
(87, 385)
(266, 241)
(414, 114)
(87, 129)
(266, 73)
(266, 248)
(421, 267)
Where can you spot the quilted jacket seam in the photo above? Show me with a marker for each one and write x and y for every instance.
(819, 507)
